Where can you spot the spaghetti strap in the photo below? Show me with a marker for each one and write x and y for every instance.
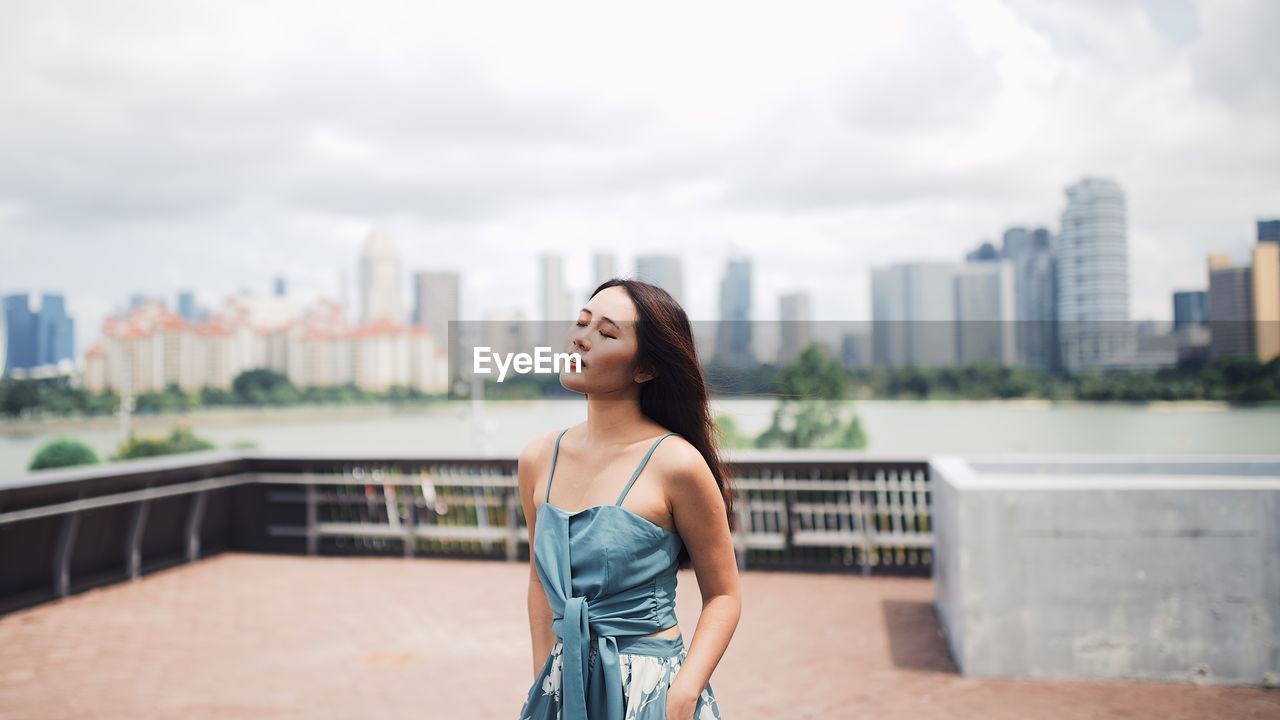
(640, 467)
(554, 454)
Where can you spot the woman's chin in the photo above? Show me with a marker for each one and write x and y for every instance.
(573, 381)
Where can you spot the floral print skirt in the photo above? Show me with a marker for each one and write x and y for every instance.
(648, 665)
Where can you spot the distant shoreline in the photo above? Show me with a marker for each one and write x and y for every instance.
(305, 413)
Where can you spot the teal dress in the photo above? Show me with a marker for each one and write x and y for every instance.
(610, 578)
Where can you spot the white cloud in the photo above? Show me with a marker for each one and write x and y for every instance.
(232, 142)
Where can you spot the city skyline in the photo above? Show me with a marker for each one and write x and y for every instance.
(814, 160)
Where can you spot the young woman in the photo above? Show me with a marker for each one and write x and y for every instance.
(605, 547)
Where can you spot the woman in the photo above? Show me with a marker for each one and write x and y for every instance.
(605, 549)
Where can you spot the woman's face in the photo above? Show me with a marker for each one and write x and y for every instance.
(604, 336)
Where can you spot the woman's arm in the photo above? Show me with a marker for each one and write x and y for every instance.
(527, 472)
(698, 510)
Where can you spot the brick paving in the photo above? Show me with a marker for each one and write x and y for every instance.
(262, 636)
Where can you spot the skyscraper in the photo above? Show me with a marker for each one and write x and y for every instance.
(1190, 307)
(913, 314)
(556, 311)
(985, 312)
(733, 337)
(1269, 231)
(437, 299)
(796, 311)
(380, 280)
(663, 271)
(1264, 283)
(20, 332)
(1093, 275)
(187, 305)
(55, 331)
(1035, 295)
(1230, 309)
(603, 266)
(33, 339)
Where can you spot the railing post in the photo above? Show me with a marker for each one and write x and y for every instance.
(133, 548)
(312, 538)
(62, 553)
(513, 525)
(195, 518)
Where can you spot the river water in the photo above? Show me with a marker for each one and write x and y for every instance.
(912, 428)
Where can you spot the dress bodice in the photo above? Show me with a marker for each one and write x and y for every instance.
(608, 573)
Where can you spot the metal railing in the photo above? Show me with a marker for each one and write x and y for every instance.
(64, 531)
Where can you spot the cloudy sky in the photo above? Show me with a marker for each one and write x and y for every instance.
(150, 147)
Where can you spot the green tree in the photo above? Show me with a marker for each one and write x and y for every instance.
(730, 435)
(813, 409)
(263, 386)
(180, 440)
(63, 452)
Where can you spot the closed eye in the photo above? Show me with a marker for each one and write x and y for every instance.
(582, 324)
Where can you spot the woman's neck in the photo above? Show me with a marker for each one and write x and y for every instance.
(615, 421)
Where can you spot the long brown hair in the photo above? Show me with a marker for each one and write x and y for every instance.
(677, 396)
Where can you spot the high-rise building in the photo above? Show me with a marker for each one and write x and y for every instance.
(1269, 231)
(604, 265)
(985, 312)
(734, 346)
(380, 279)
(20, 333)
(45, 337)
(1190, 307)
(1035, 295)
(1230, 308)
(663, 271)
(187, 305)
(437, 300)
(1264, 283)
(913, 314)
(1093, 276)
(796, 313)
(556, 301)
(55, 331)
(279, 286)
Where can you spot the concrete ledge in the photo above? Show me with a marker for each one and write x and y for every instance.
(1118, 571)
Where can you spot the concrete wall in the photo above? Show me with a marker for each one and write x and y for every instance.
(1099, 570)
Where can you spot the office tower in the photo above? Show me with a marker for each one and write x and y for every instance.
(1264, 284)
(557, 313)
(505, 332)
(380, 279)
(1035, 295)
(855, 350)
(1093, 275)
(279, 286)
(664, 271)
(36, 338)
(603, 267)
(1190, 307)
(913, 314)
(734, 347)
(796, 313)
(1230, 309)
(1269, 231)
(55, 331)
(20, 333)
(187, 305)
(985, 312)
(437, 300)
